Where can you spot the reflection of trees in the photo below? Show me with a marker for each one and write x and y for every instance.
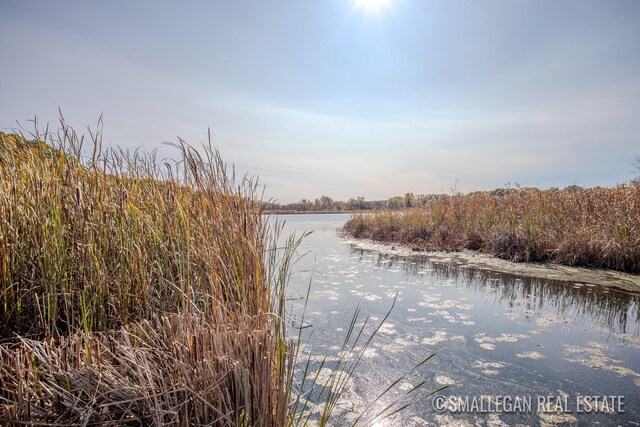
(615, 309)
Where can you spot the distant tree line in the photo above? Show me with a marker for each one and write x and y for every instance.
(408, 200)
(327, 204)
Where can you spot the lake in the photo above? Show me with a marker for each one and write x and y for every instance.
(500, 340)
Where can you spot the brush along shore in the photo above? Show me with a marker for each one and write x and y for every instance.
(594, 227)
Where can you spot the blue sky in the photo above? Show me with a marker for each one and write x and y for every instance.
(321, 97)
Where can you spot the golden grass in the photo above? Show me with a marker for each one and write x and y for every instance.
(90, 246)
(595, 227)
(134, 291)
(177, 370)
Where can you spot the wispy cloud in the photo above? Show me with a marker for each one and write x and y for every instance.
(318, 100)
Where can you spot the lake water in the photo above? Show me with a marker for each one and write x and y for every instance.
(498, 337)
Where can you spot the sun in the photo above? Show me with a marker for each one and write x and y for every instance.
(372, 6)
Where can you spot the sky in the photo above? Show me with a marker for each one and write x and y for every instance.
(331, 98)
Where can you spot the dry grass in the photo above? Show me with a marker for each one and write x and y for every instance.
(596, 227)
(93, 245)
(177, 370)
(134, 291)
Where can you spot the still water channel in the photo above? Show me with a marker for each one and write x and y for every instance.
(533, 346)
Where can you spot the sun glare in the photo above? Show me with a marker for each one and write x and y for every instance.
(372, 6)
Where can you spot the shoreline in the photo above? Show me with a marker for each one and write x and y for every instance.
(467, 258)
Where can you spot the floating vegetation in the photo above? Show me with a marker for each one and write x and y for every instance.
(438, 337)
(399, 344)
(482, 337)
(629, 339)
(448, 420)
(489, 368)
(444, 380)
(388, 328)
(530, 355)
(551, 415)
(594, 356)
(547, 320)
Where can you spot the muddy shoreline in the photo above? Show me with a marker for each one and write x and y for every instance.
(467, 258)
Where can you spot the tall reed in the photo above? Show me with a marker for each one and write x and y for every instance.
(137, 291)
(593, 227)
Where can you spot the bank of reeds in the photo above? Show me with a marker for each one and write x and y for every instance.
(592, 227)
(176, 370)
(136, 291)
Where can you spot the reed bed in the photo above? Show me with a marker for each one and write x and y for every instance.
(594, 227)
(137, 291)
(177, 370)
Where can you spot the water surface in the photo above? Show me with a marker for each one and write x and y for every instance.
(495, 334)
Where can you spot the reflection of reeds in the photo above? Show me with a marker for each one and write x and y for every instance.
(613, 309)
(145, 293)
(596, 227)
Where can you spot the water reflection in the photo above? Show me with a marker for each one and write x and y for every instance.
(614, 309)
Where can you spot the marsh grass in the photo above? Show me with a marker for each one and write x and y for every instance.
(135, 291)
(594, 227)
(176, 370)
(94, 244)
